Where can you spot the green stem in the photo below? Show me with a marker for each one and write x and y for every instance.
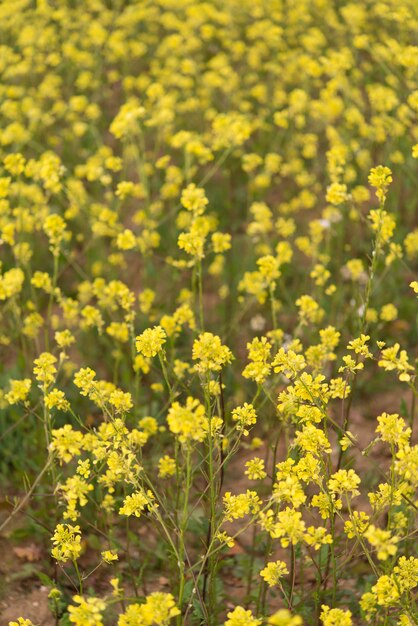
(183, 529)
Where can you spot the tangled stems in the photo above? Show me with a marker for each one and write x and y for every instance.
(182, 533)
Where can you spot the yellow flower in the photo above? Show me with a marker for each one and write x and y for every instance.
(344, 481)
(67, 543)
(56, 399)
(245, 416)
(194, 199)
(11, 283)
(188, 422)
(335, 617)
(241, 617)
(159, 608)
(45, 369)
(151, 341)
(380, 178)
(210, 353)
(255, 469)
(388, 313)
(393, 429)
(283, 617)
(88, 612)
(166, 466)
(241, 505)
(109, 556)
(336, 193)
(136, 503)
(382, 541)
(19, 390)
(273, 572)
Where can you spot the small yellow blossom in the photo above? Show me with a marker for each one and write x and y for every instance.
(151, 341)
(273, 572)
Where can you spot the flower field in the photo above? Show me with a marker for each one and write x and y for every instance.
(208, 312)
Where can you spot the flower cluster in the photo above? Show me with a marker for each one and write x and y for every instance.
(207, 305)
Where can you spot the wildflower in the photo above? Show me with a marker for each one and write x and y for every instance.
(226, 539)
(388, 313)
(357, 525)
(335, 617)
(188, 422)
(67, 543)
(411, 244)
(392, 429)
(210, 353)
(193, 243)
(309, 310)
(127, 119)
(84, 379)
(245, 416)
(392, 359)
(273, 572)
(350, 365)
(289, 489)
(42, 280)
(45, 369)
(55, 229)
(64, 338)
(355, 270)
(255, 469)
(66, 442)
(151, 341)
(109, 556)
(194, 199)
(383, 224)
(283, 617)
(121, 402)
(269, 269)
(344, 481)
(119, 331)
(359, 346)
(241, 617)
(380, 178)
(146, 299)
(312, 439)
(336, 193)
(384, 496)
(241, 505)
(19, 390)
(83, 468)
(136, 503)
(221, 242)
(230, 129)
(368, 604)
(290, 527)
(126, 240)
(317, 537)
(88, 612)
(159, 608)
(166, 466)
(338, 388)
(56, 399)
(382, 540)
(405, 573)
(259, 354)
(288, 362)
(386, 591)
(149, 424)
